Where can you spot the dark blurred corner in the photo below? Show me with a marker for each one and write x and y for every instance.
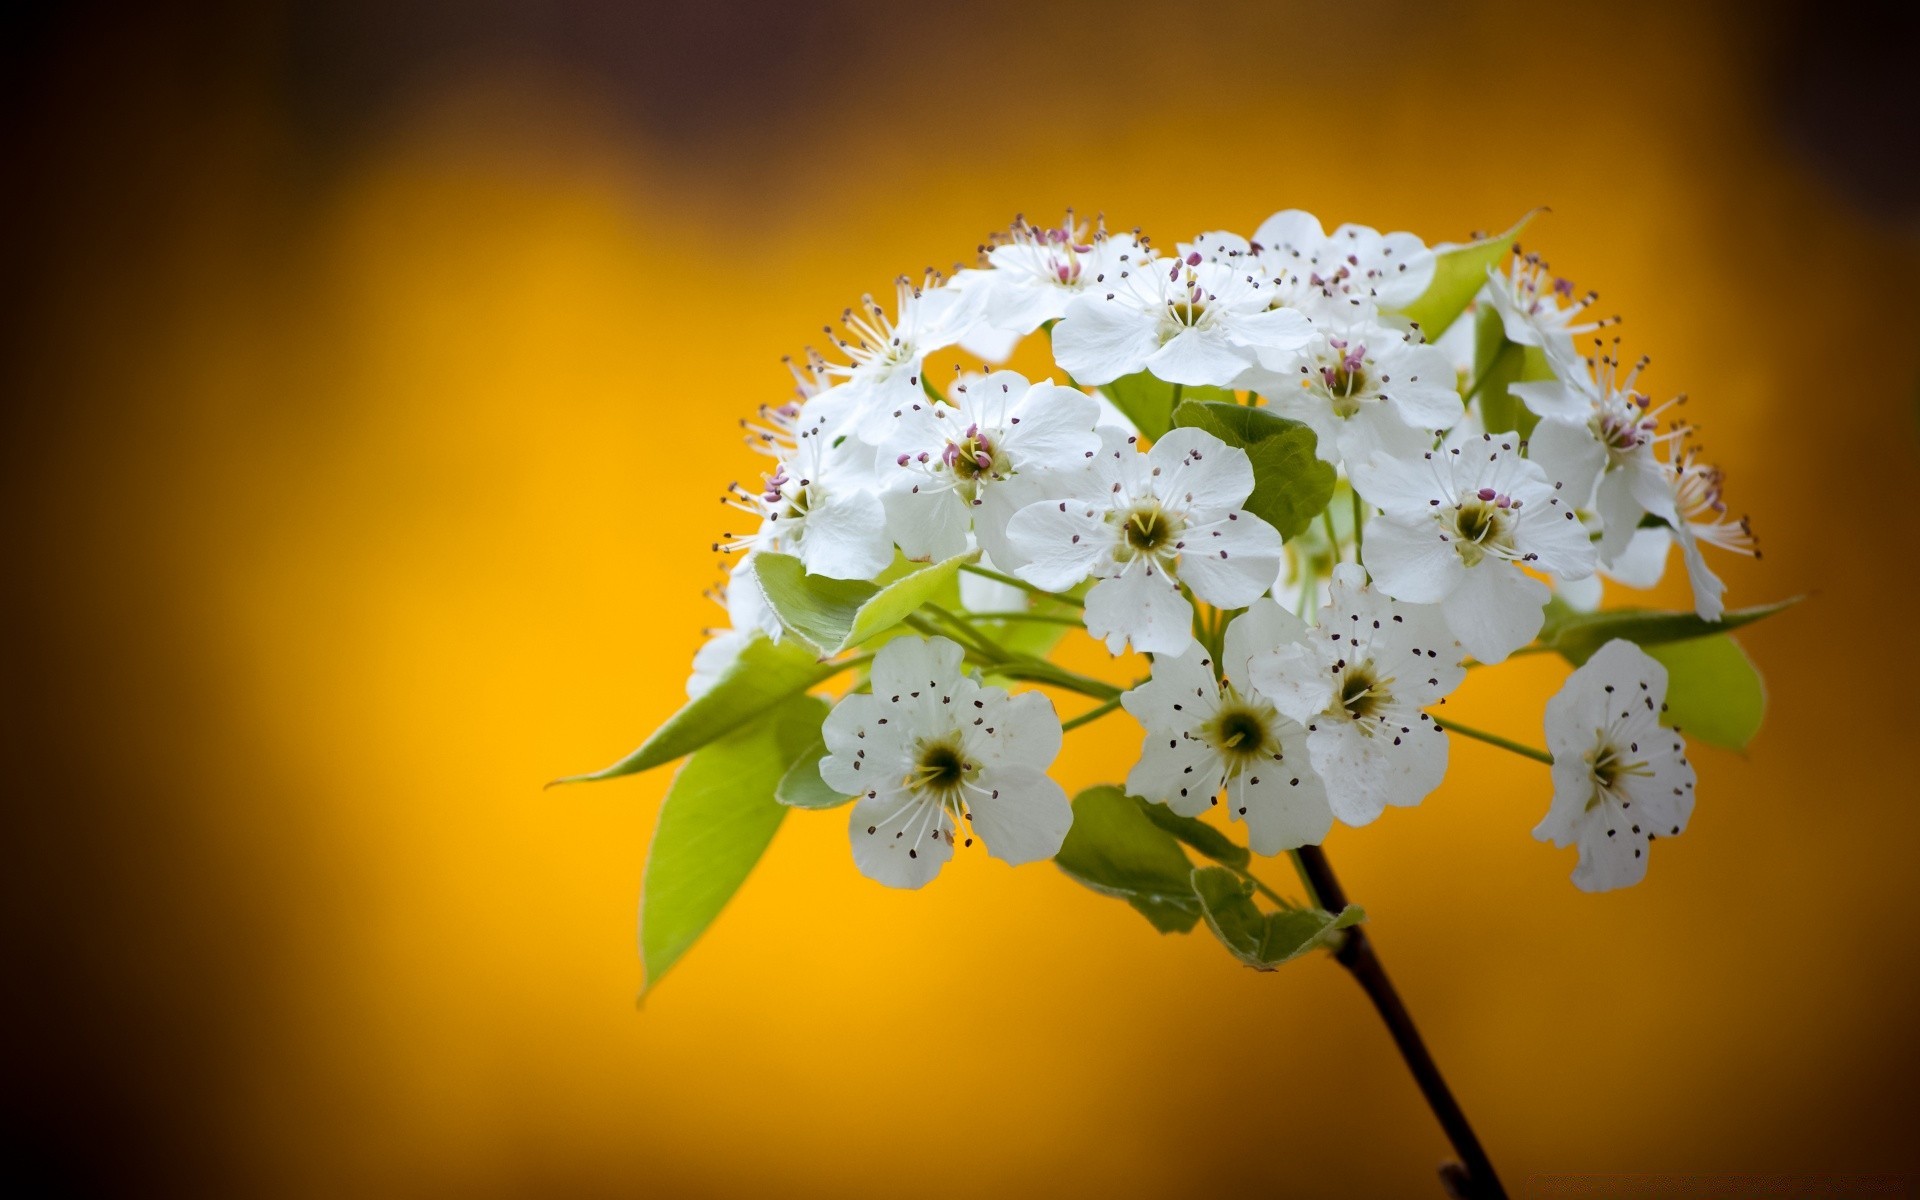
(128, 1014)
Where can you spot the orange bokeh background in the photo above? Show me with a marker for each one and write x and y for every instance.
(363, 457)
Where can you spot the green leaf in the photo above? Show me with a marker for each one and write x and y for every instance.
(835, 614)
(802, 787)
(1263, 940)
(1290, 483)
(1115, 849)
(1498, 364)
(1148, 401)
(765, 674)
(716, 821)
(1577, 635)
(1714, 693)
(1198, 834)
(1458, 275)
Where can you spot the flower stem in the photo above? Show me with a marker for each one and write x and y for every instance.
(1090, 716)
(1022, 584)
(1473, 1176)
(1494, 739)
(1333, 539)
(1035, 670)
(1359, 533)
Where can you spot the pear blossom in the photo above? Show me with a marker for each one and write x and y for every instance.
(887, 356)
(1537, 311)
(970, 465)
(1187, 320)
(934, 756)
(1598, 435)
(1143, 524)
(1204, 736)
(1621, 779)
(1032, 272)
(820, 504)
(1389, 270)
(1359, 681)
(1456, 525)
(1363, 387)
(1701, 519)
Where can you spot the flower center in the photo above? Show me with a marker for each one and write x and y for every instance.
(1346, 378)
(1608, 767)
(974, 456)
(1149, 530)
(940, 770)
(1362, 693)
(1239, 732)
(1483, 524)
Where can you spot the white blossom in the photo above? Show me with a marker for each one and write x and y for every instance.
(1389, 270)
(1455, 527)
(1363, 387)
(1537, 312)
(1598, 436)
(1187, 320)
(820, 504)
(932, 755)
(970, 465)
(1359, 682)
(1701, 518)
(1142, 524)
(886, 357)
(1620, 778)
(1204, 736)
(1032, 272)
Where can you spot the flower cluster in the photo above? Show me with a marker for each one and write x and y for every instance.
(1313, 477)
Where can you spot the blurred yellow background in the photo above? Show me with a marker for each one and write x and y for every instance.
(376, 372)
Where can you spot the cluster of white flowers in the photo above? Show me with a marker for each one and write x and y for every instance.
(1297, 677)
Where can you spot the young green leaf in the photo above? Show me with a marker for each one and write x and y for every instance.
(1458, 275)
(717, 819)
(1148, 401)
(1198, 834)
(1116, 850)
(1290, 483)
(1500, 364)
(802, 787)
(1577, 635)
(1263, 940)
(1714, 693)
(835, 614)
(765, 674)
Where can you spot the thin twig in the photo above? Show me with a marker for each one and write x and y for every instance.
(1474, 1176)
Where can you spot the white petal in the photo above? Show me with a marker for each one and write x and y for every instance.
(911, 664)
(846, 537)
(1569, 454)
(1229, 563)
(927, 525)
(1141, 605)
(1496, 609)
(1063, 541)
(1295, 678)
(1283, 803)
(1365, 774)
(1552, 400)
(1022, 815)
(1100, 340)
(899, 839)
(1412, 560)
(1264, 626)
(1021, 730)
(1200, 474)
(1181, 694)
(1197, 358)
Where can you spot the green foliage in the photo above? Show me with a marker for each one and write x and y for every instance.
(1499, 365)
(1458, 275)
(1148, 401)
(1714, 693)
(1577, 635)
(765, 674)
(1290, 483)
(834, 614)
(802, 787)
(1263, 940)
(1197, 834)
(717, 819)
(1117, 850)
